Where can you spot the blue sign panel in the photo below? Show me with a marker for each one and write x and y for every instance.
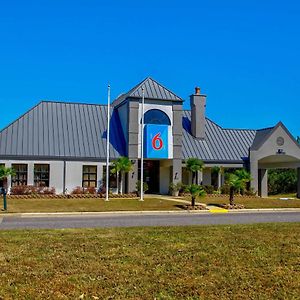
(156, 141)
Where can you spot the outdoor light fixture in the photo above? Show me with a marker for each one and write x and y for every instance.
(280, 151)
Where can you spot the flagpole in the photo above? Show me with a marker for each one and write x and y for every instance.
(107, 143)
(142, 147)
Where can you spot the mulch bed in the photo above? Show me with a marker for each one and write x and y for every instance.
(77, 196)
(196, 207)
(234, 206)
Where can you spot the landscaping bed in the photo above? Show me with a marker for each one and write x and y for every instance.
(253, 202)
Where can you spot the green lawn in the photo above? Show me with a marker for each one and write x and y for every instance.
(85, 205)
(196, 262)
(255, 202)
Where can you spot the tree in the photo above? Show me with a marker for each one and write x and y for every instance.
(298, 139)
(237, 181)
(194, 165)
(6, 172)
(121, 166)
(282, 181)
(196, 191)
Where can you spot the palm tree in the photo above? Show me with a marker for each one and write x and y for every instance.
(5, 173)
(121, 166)
(194, 165)
(116, 170)
(196, 191)
(237, 181)
(125, 167)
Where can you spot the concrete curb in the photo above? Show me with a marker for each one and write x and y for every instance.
(107, 213)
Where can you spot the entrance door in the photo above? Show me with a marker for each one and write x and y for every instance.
(151, 175)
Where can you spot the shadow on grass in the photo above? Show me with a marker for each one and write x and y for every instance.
(181, 206)
(216, 204)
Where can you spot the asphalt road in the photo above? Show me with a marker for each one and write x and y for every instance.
(137, 219)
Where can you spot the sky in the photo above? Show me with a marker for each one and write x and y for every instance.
(244, 55)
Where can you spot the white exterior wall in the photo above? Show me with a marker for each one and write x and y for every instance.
(56, 180)
(74, 174)
(56, 172)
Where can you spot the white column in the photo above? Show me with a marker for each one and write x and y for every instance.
(263, 177)
(30, 173)
(254, 175)
(99, 175)
(219, 179)
(200, 177)
(298, 183)
(206, 176)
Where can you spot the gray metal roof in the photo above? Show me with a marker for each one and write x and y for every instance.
(62, 130)
(152, 90)
(75, 131)
(260, 137)
(224, 145)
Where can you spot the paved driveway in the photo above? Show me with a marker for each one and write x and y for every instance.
(144, 219)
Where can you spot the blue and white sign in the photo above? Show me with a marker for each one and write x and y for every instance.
(156, 141)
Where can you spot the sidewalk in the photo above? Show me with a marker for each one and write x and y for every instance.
(115, 213)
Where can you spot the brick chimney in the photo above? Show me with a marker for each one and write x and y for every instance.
(198, 105)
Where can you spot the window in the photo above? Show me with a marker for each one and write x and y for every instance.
(21, 174)
(41, 175)
(156, 116)
(89, 176)
(112, 178)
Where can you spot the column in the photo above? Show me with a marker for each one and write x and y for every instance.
(30, 173)
(177, 171)
(254, 175)
(206, 176)
(99, 175)
(200, 177)
(133, 176)
(219, 179)
(263, 182)
(298, 183)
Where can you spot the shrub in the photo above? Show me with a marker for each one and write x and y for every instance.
(209, 189)
(32, 190)
(225, 189)
(78, 190)
(175, 187)
(250, 192)
(145, 186)
(90, 190)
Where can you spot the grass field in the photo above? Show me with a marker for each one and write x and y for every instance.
(255, 202)
(208, 262)
(84, 205)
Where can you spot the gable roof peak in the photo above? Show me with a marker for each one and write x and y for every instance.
(152, 90)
